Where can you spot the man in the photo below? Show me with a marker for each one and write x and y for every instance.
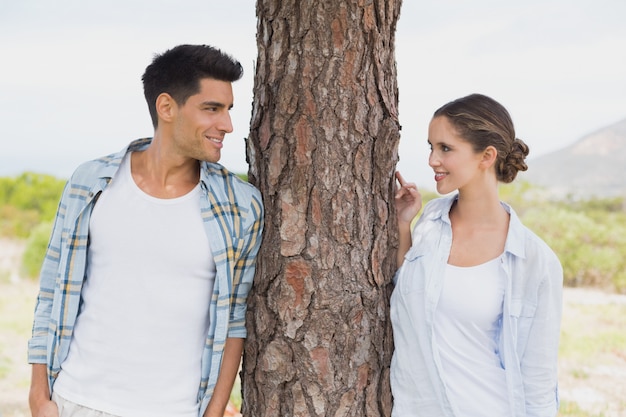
(144, 285)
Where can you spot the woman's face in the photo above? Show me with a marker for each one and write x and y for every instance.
(453, 159)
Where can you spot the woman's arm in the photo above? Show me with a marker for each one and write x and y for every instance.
(539, 363)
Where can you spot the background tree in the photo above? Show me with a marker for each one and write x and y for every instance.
(323, 150)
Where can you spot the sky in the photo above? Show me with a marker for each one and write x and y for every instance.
(70, 71)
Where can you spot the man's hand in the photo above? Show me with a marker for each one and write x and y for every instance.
(39, 396)
(47, 408)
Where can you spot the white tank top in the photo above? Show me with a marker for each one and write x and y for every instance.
(139, 337)
(466, 331)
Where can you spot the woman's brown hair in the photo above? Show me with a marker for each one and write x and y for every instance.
(484, 122)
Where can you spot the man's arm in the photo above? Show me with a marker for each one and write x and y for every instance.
(243, 275)
(39, 397)
(233, 349)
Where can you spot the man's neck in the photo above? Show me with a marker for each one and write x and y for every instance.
(160, 174)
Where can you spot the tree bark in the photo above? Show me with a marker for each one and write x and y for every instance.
(323, 150)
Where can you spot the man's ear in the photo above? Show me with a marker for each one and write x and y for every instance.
(490, 154)
(165, 107)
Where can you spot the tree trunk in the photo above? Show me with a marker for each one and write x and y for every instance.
(323, 150)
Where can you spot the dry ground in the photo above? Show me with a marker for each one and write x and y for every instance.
(592, 360)
(592, 364)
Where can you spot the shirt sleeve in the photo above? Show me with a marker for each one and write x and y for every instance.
(37, 345)
(539, 363)
(245, 266)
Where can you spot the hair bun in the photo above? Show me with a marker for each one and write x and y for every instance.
(514, 161)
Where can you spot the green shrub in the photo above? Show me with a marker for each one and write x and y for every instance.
(35, 250)
(27, 200)
(16, 222)
(591, 249)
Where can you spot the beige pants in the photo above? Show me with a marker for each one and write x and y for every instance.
(69, 409)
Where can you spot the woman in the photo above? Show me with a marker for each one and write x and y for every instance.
(476, 309)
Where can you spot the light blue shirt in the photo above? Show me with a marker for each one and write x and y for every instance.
(529, 331)
(232, 212)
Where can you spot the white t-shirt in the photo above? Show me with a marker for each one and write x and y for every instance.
(138, 341)
(466, 330)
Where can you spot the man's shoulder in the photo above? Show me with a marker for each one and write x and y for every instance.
(106, 166)
(220, 178)
(97, 168)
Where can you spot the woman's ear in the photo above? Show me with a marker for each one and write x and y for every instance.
(165, 107)
(490, 154)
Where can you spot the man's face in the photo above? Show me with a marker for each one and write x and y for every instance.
(202, 122)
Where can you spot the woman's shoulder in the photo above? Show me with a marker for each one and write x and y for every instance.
(531, 240)
(526, 244)
(537, 248)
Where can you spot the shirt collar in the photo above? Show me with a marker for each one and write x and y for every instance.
(515, 238)
(207, 169)
(112, 162)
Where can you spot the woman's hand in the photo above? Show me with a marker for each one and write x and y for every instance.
(408, 204)
(408, 201)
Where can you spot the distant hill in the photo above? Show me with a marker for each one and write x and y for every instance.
(594, 166)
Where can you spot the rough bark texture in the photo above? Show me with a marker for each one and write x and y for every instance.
(323, 150)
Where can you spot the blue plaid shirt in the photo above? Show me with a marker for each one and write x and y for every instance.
(232, 211)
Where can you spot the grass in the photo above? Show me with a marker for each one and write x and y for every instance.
(235, 396)
(592, 356)
(16, 313)
(572, 409)
(592, 331)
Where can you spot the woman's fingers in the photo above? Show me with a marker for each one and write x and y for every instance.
(405, 188)
(400, 179)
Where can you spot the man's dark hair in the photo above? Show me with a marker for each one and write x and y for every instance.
(178, 72)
